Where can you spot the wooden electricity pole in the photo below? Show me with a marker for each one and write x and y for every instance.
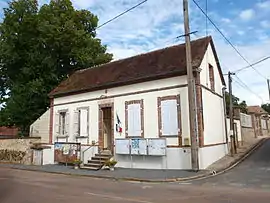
(268, 83)
(232, 134)
(191, 93)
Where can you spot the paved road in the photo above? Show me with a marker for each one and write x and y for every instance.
(254, 172)
(31, 187)
(249, 183)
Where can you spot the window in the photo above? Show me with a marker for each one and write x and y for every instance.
(61, 123)
(81, 122)
(134, 118)
(212, 77)
(169, 116)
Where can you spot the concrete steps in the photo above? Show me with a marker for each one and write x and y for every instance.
(98, 161)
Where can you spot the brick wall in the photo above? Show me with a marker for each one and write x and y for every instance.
(17, 150)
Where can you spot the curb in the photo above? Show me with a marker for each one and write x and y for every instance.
(191, 178)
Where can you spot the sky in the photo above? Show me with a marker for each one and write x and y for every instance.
(156, 23)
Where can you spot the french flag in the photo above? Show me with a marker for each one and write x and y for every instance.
(118, 124)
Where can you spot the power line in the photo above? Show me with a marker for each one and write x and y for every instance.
(238, 52)
(246, 67)
(243, 85)
(121, 14)
(183, 35)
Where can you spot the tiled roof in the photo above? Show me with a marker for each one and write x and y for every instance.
(163, 63)
(8, 131)
(256, 110)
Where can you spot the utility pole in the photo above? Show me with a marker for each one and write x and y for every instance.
(232, 134)
(191, 93)
(268, 83)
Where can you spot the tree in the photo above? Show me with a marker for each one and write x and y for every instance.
(40, 48)
(266, 107)
(235, 100)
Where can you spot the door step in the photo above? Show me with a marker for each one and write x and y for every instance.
(98, 161)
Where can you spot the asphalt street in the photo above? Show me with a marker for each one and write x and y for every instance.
(249, 182)
(254, 172)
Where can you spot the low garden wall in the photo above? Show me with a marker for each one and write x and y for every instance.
(17, 150)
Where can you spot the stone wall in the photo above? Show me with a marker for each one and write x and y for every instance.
(17, 150)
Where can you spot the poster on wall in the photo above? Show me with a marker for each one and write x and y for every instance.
(157, 147)
(138, 146)
(122, 146)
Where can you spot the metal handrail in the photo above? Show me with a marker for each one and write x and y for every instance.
(93, 145)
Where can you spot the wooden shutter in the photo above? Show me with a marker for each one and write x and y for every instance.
(56, 123)
(83, 122)
(134, 120)
(169, 118)
(76, 123)
(67, 124)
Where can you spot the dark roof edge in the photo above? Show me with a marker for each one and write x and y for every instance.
(117, 84)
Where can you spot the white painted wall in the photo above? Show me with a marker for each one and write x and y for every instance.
(176, 158)
(40, 128)
(213, 116)
(150, 107)
(48, 155)
(204, 75)
(209, 155)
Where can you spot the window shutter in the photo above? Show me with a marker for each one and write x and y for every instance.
(169, 117)
(76, 122)
(67, 124)
(134, 120)
(56, 123)
(83, 122)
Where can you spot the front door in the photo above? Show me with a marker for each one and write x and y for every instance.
(107, 128)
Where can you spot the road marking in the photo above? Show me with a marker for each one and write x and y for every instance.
(118, 198)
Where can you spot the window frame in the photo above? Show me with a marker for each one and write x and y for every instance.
(166, 98)
(60, 131)
(79, 121)
(127, 103)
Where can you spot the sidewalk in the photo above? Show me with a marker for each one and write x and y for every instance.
(147, 175)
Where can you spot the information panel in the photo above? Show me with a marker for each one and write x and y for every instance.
(138, 146)
(157, 147)
(122, 146)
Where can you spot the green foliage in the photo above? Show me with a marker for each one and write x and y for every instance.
(235, 100)
(266, 107)
(38, 49)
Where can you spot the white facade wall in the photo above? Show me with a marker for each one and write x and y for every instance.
(176, 158)
(239, 129)
(213, 113)
(150, 107)
(204, 75)
(40, 128)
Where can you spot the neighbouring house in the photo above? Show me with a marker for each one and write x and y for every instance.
(40, 128)
(260, 120)
(8, 131)
(141, 103)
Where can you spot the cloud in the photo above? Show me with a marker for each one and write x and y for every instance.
(265, 24)
(247, 14)
(264, 5)
(156, 24)
(225, 20)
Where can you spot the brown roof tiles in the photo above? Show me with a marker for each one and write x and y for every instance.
(163, 63)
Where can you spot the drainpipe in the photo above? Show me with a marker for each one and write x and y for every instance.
(225, 115)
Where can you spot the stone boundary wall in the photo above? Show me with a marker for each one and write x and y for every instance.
(17, 150)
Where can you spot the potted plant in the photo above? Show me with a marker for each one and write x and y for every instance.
(111, 163)
(77, 163)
